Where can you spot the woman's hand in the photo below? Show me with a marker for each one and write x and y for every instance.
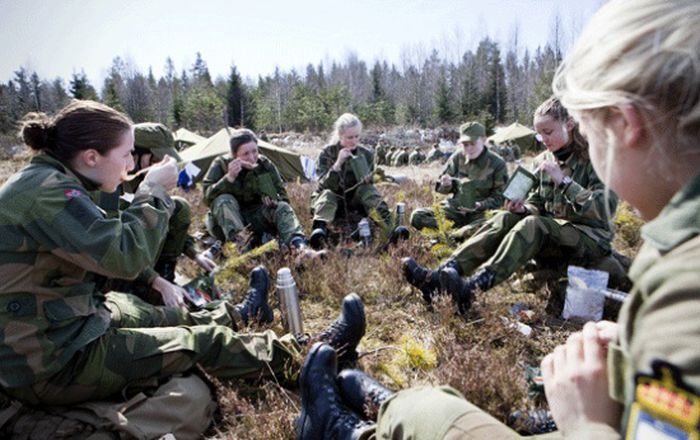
(552, 168)
(234, 168)
(576, 381)
(163, 173)
(516, 206)
(206, 263)
(268, 202)
(343, 155)
(172, 294)
(446, 181)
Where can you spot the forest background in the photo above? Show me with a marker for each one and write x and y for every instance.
(423, 90)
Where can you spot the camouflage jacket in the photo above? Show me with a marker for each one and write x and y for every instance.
(659, 321)
(345, 178)
(248, 188)
(53, 238)
(582, 203)
(486, 176)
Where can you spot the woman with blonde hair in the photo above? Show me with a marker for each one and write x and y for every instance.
(345, 169)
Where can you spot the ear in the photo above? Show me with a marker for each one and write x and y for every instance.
(630, 126)
(570, 124)
(90, 157)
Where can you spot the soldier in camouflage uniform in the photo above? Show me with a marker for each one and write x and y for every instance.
(416, 157)
(400, 159)
(341, 188)
(62, 341)
(635, 379)
(434, 154)
(474, 176)
(244, 189)
(566, 212)
(152, 142)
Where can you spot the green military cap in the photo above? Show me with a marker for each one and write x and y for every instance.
(471, 131)
(157, 138)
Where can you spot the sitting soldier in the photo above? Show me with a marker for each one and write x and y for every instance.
(474, 176)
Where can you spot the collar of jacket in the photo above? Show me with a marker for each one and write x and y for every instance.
(678, 221)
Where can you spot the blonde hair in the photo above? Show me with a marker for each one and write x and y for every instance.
(640, 52)
(345, 121)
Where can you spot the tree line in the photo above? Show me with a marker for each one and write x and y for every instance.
(425, 90)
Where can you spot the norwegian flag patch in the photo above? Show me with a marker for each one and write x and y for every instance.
(72, 193)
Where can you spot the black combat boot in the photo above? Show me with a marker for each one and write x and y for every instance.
(319, 234)
(398, 234)
(362, 393)
(421, 278)
(462, 289)
(255, 302)
(347, 330)
(323, 416)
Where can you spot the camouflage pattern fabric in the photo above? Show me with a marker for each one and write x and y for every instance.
(60, 340)
(238, 204)
(573, 221)
(485, 176)
(145, 341)
(177, 242)
(331, 193)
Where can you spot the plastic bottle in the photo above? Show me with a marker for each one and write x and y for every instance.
(288, 298)
(365, 233)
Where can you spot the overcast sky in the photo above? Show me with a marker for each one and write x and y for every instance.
(62, 37)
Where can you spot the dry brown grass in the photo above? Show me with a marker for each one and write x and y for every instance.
(405, 344)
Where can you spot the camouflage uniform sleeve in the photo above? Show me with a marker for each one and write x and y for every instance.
(587, 204)
(77, 231)
(500, 177)
(215, 183)
(328, 179)
(451, 169)
(279, 183)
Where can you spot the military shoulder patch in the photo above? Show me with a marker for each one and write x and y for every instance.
(664, 407)
(72, 193)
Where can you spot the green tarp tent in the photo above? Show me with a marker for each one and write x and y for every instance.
(203, 153)
(184, 138)
(518, 133)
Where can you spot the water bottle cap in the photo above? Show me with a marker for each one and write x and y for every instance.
(284, 277)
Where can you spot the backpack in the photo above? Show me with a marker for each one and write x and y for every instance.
(181, 408)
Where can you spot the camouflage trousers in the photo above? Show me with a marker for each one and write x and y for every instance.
(145, 342)
(425, 217)
(507, 241)
(437, 413)
(327, 205)
(226, 219)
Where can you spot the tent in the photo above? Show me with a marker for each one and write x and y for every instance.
(518, 133)
(184, 138)
(203, 153)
